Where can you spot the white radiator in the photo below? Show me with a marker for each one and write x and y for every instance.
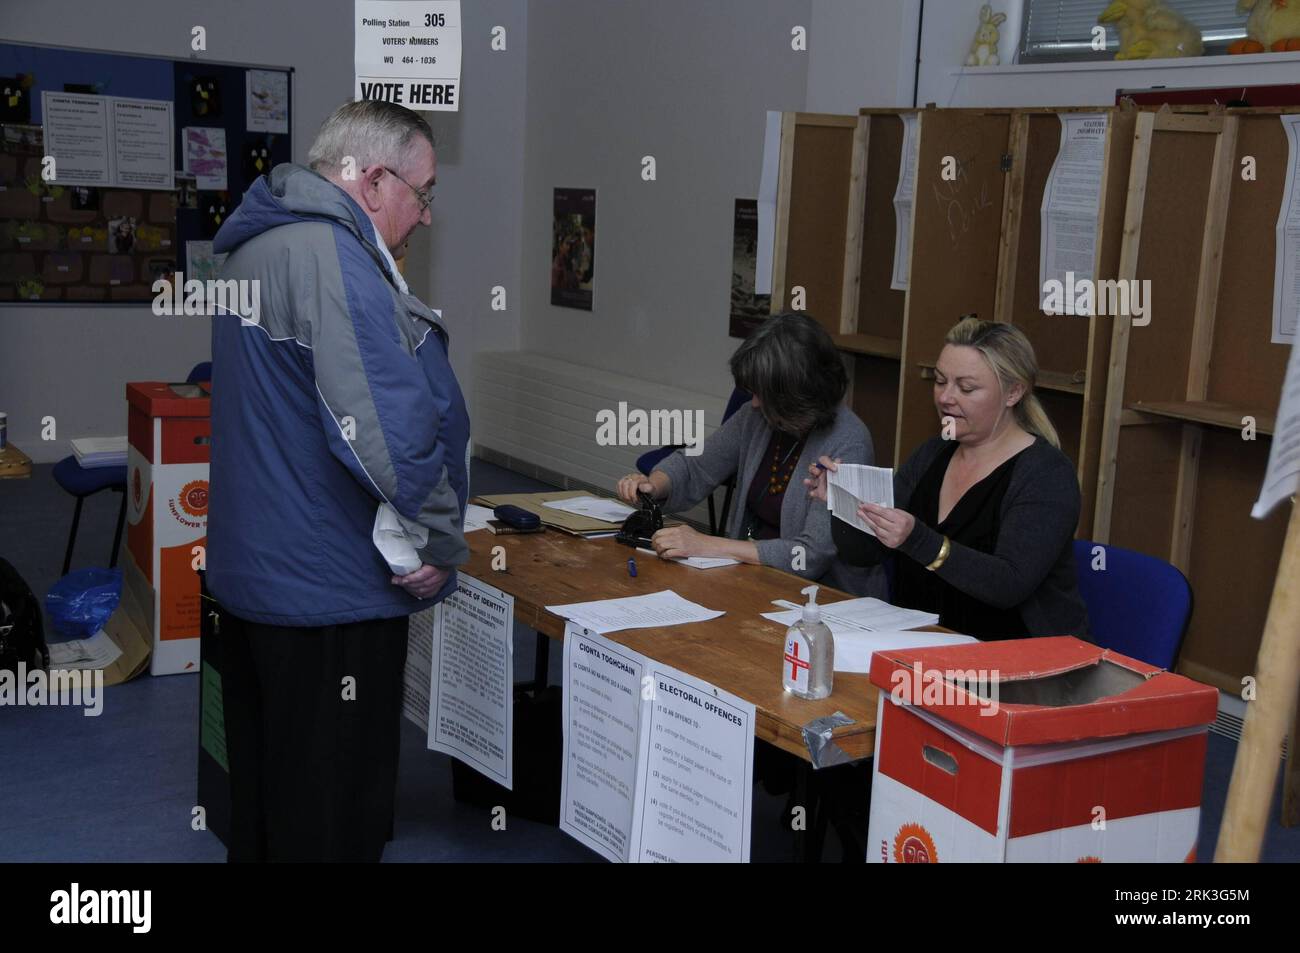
(537, 415)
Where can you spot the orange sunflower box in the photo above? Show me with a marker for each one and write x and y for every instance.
(1046, 749)
(168, 436)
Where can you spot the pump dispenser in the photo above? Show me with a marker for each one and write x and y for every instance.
(808, 665)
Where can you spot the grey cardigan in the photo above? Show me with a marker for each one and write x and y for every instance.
(1032, 568)
(736, 449)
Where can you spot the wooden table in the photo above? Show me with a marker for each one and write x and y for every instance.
(739, 652)
(14, 464)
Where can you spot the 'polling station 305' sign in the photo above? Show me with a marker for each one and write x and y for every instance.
(408, 52)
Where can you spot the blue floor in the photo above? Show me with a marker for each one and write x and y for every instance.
(120, 787)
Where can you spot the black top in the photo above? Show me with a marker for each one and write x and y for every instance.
(767, 490)
(975, 522)
(1012, 551)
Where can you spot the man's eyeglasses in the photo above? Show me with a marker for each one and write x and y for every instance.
(425, 198)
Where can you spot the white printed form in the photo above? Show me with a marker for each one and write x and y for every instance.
(1286, 269)
(853, 484)
(657, 763)
(1072, 205)
(904, 197)
(471, 684)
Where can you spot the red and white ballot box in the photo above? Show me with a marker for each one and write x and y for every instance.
(1047, 749)
(168, 431)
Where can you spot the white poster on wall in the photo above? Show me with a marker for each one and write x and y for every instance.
(1071, 207)
(904, 195)
(1286, 268)
(109, 141)
(408, 52)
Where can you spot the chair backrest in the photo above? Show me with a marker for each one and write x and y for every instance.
(201, 372)
(1138, 605)
(737, 400)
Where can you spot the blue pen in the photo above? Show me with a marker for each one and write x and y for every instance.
(631, 568)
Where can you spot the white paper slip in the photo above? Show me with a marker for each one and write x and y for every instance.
(706, 562)
(853, 648)
(1282, 478)
(593, 507)
(853, 484)
(98, 651)
(635, 612)
(867, 614)
(476, 517)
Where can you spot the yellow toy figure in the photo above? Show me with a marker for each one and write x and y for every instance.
(1273, 25)
(1150, 30)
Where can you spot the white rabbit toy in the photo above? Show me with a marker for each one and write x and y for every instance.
(984, 48)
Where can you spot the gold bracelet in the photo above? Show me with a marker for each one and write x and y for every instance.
(943, 554)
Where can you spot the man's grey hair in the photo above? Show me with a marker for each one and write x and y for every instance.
(372, 132)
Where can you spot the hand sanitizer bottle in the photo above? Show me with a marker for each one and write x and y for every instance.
(808, 667)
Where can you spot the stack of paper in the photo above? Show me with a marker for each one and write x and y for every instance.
(476, 517)
(593, 507)
(853, 484)
(865, 615)
(95, 452)
(635, 612)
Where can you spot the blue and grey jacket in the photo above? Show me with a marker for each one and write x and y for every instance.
(340, 397)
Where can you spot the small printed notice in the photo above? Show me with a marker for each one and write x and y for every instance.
(1071, 209)
(1286, 269)
(408, 53)
(109, 141)
(904, 196)
(471, 679)
(658, 765)
(1282, 479)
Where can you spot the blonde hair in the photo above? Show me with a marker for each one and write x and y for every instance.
(1012, 359)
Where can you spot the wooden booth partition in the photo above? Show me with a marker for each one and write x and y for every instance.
(1179, 471)
(1072, 350)
(812, 215)
(956, 232)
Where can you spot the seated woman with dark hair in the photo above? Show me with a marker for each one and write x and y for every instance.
(797, 414)
(982, 530)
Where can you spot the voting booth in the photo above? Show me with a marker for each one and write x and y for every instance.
(1048, 749)
(169, 433)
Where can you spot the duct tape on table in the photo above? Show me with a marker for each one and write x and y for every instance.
(824, 752)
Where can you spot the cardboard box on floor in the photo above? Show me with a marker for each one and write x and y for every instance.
(169, 432)
(1078, 754)
(128, 627)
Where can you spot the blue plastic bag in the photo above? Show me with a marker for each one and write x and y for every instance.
(80, 603)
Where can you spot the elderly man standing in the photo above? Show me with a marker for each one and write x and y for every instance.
(338, 398)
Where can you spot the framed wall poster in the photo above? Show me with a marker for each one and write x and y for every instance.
(748, 310)
(573, 248)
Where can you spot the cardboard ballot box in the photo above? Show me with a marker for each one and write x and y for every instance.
(168, 432)
(1048, 749)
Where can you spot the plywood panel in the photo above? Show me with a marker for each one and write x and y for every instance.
(880, 308)
(1234, 559)
(1146, 479)
(955, 241)
(1169, 253)
(875, 401)
(818, 215)
(1246, 368)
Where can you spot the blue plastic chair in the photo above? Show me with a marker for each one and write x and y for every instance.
(81, 483)
(652, 458)
(1138, 605)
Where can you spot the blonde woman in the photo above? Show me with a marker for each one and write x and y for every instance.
(984, 516)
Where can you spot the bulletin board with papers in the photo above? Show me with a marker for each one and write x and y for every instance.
(116, 170)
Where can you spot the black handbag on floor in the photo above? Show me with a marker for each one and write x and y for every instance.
(22, 632)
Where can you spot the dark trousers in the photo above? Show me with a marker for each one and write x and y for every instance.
(313, 720)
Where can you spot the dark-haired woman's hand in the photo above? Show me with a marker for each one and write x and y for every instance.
(816, 479)
(892, 526)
